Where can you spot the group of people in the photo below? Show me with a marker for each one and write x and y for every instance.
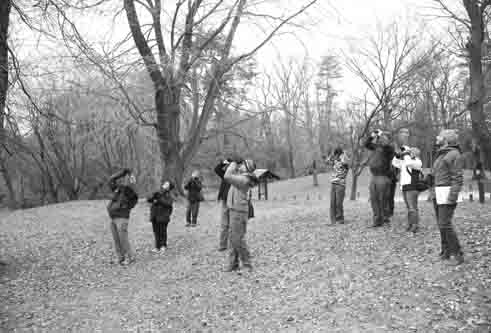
(238, 178)
(393, 162)
(390, 163)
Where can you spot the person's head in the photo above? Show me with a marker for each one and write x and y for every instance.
(247, 166)
(383, 138)
(195, 174)
(447, 137)
(415, 152)
(338, 152)
(128, 179)
(403, 136)
(167, 185)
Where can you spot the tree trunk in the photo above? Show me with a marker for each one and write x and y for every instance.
(168, 110)
(474, 47)
(354, 184)
(5, 7)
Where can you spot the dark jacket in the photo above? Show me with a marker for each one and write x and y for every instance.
(123, 200)
(224, 186)
(448, 170)
(161, 208)
(194, 186)
(380, 163)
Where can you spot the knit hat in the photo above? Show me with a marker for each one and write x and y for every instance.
(450, 135)
(195, 174)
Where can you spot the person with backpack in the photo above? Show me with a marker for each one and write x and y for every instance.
(239, 175)
(160, 212)
(124, 199)
(409, 164)
(448, 178)
(338, 186)
(194, 187)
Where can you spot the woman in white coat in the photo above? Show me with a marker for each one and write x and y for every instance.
(410, 165)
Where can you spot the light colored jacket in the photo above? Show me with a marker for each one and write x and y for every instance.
(404, 164)
(238, 198)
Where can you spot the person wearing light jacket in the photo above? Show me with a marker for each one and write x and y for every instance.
(448, 172)
(241, 178)
(408, 162)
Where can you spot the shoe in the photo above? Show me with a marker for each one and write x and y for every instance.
(194, 225)
(456, 260)
(247, 267)
(163, 249)
(155, 250)
(188, 225)
(444, 255)
(221, 249)
(409, 227)
(230, 269)
(414, 229)
(376, 225)
(125, 262)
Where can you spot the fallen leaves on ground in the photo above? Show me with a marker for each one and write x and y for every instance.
(308, 276)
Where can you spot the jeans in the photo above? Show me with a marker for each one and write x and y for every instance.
(390, 202)
(192, 212)
(224, 225)
(119, 230)
(337, 197)
(238, 245)
(380, 192)
(411, 201)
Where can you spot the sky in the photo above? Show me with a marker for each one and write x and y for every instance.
(332, 26)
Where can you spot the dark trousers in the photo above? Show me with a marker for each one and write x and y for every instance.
(390, 202)
(160, 233)
(411, 201)
(192, 212)
(450, 242)
(337, 198)
(379, 196)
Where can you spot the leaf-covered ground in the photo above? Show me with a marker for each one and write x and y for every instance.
(308, 277)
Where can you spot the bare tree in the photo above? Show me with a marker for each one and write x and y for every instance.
(478, 13)
(170, 68)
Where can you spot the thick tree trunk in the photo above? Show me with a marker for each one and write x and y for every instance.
(5, 7)
(477, 94)
(168, 110)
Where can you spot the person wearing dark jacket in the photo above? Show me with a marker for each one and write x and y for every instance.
(448, 178)
(338, 186)
(160, 212)
(193, 186)
(380, 165)
(123, 200)
(222, 198)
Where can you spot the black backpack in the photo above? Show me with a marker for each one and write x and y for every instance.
(418, 180)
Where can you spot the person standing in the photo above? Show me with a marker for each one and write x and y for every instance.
(402, 145)
(241, 178)
(222, 198)
(448, 179)
(380, 163)
(194, 187)
(338, 186)
(409, 165)
(124, 199)
(160, 212)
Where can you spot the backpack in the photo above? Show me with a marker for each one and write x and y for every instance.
(418, 180)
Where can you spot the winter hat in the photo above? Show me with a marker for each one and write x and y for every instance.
(195, 174)
(450, 135)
